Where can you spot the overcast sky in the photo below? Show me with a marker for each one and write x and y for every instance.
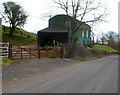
(37, 8)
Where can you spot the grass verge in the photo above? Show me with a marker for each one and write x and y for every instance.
(103, 47)
(6, 61)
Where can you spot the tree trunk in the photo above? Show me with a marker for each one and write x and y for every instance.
(12, 29)
(70, 47)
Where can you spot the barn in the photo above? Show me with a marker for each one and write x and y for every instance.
(58, 29)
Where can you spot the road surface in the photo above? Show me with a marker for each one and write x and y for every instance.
(96, 76)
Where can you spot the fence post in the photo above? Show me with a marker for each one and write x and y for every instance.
(30, 53)
(10, 51)
(62, 51)
(39, 52)
(105, 53)
(21, 53)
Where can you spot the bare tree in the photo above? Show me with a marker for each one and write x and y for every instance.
(101, 38)
(84, 10)
(112, 39)
(111, 35)
(87, 11)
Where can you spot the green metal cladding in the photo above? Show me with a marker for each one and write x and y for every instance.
(65, 22)
(59, 21)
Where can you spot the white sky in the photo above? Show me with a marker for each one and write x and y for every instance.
(36, 8)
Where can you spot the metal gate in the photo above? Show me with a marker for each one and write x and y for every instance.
(4, 49)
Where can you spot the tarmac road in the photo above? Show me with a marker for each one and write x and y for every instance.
(96, 76)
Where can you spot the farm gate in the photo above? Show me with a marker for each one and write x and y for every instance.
(4, 49)
(33, 51)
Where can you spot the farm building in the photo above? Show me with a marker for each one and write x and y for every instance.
(58, 29)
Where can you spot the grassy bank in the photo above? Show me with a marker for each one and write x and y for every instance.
(21, 37)
(103, 47)
(18, 39)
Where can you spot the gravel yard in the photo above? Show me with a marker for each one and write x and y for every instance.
(29, 67)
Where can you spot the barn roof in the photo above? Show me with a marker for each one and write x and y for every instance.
(54, 30)
(58, 24)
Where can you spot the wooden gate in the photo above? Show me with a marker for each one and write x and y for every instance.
(11, 51)
(24, 52)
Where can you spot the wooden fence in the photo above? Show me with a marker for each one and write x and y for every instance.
(87, 52)
(7, 50)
